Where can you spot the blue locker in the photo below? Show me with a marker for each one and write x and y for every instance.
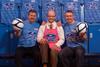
(51, 4)
(13, 44)
(27, 5)
(92, 11)
(40, 11)
(40, 2)
(9, 11)
(4, 40)
(73, 5)
(94, 38)
(0, 11)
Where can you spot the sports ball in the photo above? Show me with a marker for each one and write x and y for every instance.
(81, 27)
(18, 23)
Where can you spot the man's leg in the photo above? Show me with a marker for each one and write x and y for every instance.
(36, 56)
(19, 56)
(44, 54)
(59, 64)
(64, 56)
(79, 54)
(53, 58)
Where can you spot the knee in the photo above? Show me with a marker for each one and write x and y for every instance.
(62, 55)
(65, 52)
(80, 53)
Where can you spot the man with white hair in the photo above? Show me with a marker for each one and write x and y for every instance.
(50, 38)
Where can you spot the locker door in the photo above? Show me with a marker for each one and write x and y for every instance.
(9, 11)
(94, 38)
(92, 11)
(27, 5)
(0, 11)
(51, 4)
(73, 5)
(4, 40)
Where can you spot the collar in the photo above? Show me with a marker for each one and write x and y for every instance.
(54, 25)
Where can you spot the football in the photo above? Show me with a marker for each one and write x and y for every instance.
(81, 27)
(18, 23)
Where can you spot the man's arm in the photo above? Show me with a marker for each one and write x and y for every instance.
(40, 33)
(61, 36)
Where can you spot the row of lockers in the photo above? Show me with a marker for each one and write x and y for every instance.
(84, 10)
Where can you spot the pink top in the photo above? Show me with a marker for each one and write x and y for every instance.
(51, 35)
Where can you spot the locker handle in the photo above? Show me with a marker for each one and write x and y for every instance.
(91, 35)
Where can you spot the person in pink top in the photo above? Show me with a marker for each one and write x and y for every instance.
(50, 37)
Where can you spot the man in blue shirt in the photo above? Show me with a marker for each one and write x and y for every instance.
(73, 47)
(27, 40)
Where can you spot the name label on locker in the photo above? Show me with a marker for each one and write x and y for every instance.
(53, 0)
(75, 0)
(12, 0)
(32, 0)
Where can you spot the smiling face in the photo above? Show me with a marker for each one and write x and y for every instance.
(32, 15)
(51, 16)
(69, 17)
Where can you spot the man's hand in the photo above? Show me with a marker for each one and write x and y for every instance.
(56, 48)
(17, 31)
(43, 41)
(83, 36)
(43, 23)
(59, 23)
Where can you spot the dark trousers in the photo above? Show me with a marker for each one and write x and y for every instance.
(69, 55)
(28, 51)
(48, 55)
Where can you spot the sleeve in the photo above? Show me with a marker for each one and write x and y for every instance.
(61, 36)
(40, 33)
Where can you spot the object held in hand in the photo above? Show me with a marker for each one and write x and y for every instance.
(17, 24)
(81, 28)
